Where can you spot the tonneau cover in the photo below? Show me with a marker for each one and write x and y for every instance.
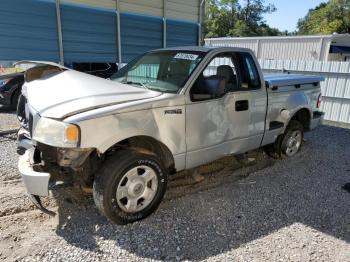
(290, 80)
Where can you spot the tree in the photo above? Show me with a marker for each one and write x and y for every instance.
(327, 18)
(230, 18)
(252, 12)
(220, 17)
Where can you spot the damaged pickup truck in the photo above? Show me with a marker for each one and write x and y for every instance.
(166, 111)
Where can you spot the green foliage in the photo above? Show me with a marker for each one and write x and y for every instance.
(327, 18)
(230, 18)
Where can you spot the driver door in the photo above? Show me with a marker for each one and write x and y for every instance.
(218, 125)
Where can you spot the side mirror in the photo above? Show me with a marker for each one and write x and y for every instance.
(215, 86)
(208, 88)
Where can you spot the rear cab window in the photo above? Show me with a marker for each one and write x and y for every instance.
(248, 71)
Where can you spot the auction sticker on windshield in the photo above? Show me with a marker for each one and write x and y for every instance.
(185, 56)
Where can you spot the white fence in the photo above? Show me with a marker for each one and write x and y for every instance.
(335, 90)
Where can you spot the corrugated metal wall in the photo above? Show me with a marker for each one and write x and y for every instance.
(140, 34)
(146, 7)
(180, 33)
(179, 9)
(183, 9)
(296, 49)
(29, 28)
(108, 4)
(292, 48)
(335, 90)
(243, 43)
(89, 34)
(28, 31)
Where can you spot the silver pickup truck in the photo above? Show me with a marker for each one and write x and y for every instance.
(166, 111)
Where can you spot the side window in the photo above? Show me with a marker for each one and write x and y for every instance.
(217, 79)
(220, 61)
(248, 71)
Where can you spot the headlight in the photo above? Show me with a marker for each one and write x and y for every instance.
(56, 133)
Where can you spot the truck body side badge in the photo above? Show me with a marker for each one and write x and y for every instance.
(173, 112)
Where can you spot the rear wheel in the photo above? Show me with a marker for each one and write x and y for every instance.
(129, 186)
(292, 142)
(288, 144)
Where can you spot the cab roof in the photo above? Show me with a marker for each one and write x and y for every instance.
(205, 49)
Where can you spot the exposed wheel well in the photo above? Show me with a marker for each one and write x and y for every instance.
(303, 116)
(14, 94)
(149, 145)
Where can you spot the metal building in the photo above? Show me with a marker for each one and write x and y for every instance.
(69, 31)
(334, 47)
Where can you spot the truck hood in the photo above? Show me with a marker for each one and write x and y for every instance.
(69, 92)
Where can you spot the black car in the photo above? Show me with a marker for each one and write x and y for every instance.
(10, 88)
(10, 85)
(104, 70)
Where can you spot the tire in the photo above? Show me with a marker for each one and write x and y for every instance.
(125, 174)
(282, 146)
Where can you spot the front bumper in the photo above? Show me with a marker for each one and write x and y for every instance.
(36, 183)
(316, 119)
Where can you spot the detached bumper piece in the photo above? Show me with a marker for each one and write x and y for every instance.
(36, 183)
(37, 202)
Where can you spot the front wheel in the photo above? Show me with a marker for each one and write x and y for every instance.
(288, 144)
(129, 186)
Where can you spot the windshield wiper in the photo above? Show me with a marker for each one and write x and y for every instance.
(143, 85)
(135, 83)
(156, 89)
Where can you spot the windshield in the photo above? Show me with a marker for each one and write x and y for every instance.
(164, 71)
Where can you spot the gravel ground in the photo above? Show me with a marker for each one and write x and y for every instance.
(290, 210)
(8, 121)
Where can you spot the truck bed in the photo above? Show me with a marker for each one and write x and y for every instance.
(273, 79)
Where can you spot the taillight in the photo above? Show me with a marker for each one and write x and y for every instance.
(319, 100)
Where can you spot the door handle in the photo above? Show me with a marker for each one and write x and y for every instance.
(242, 105)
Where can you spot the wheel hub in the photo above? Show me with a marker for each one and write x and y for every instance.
(137, 189)
(293, 143)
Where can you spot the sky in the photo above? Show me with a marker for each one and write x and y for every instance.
(288, 13)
